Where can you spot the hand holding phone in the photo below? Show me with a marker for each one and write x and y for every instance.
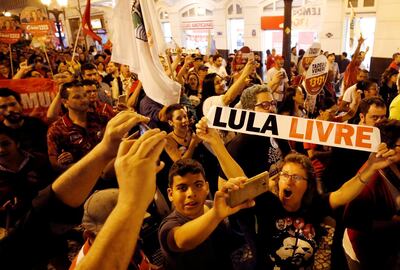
(253, 187)
(122, 99)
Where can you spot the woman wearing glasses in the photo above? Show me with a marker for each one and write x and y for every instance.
(283, 229)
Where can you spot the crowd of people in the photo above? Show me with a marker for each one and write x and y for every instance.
(111, 179)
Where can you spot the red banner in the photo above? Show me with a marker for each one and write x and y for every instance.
(36, 94)
(10, 36)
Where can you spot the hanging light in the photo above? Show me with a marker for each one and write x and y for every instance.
(62, 3)
(7, 13)
(46, 2)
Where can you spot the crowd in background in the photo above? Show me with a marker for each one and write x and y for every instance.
(111, 179)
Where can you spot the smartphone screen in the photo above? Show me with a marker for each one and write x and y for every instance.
(122, 99)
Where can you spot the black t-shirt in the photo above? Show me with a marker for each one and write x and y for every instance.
(255, 154)
(213, 253)
(281, 239)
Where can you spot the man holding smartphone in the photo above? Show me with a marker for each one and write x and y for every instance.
(278, 74)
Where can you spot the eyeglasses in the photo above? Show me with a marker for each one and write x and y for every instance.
(267, 104)
(295, 177)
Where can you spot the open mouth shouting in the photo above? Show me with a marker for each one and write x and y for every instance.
(287, 193)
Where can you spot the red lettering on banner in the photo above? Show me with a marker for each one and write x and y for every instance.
(293, 129)
(309, 130)
(323, 135)
(361, 136)
(344, 132)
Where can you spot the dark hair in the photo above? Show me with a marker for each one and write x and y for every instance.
(390, 132)
(10, 132)
(89, 83)
(170, 110)
(305, 162)
(287, 104)
(183, 167)
(64, 88)
(387, 74)
(208, 86)
(344, 54)
(6, 92)
(215, 57)
(326, 103)
(366, 103)
(87, 67)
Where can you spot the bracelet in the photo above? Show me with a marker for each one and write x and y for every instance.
(361, 180)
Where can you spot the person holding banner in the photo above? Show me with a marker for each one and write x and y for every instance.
(213, 90)
(373, 219)
(288, 221)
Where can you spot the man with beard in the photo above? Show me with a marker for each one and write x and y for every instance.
(76, 133)
(31, 132)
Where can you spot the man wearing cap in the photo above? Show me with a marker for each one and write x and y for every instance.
(97, 209)
(278, 89)
(135, 161)
(198, 61)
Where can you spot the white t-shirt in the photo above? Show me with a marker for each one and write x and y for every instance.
(212, 101)
(279, 92)
(221, 71)
(348, 94)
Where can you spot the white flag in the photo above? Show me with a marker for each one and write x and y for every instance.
(138, 41)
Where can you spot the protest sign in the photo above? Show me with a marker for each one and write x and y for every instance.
(316, 75)
(309, 16)
(10, 31)
(35, 21)
(311, 54)
(364, 138)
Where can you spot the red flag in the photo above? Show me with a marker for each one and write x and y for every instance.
(86, 25)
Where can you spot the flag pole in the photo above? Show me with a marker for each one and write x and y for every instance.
(76, 40)
(169, 65)
(11, 60)
(48, 60)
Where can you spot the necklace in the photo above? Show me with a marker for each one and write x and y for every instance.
(184, 138)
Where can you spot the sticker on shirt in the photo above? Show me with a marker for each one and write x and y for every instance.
(77, 139)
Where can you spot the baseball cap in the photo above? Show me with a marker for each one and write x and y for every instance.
(203, 67)
(98, 207)
(279, 57)
(198, 57)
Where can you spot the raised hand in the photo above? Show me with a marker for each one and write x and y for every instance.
(118, 127)
(383, 158)
(136, 166)
(221, 208)
(208, 135)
